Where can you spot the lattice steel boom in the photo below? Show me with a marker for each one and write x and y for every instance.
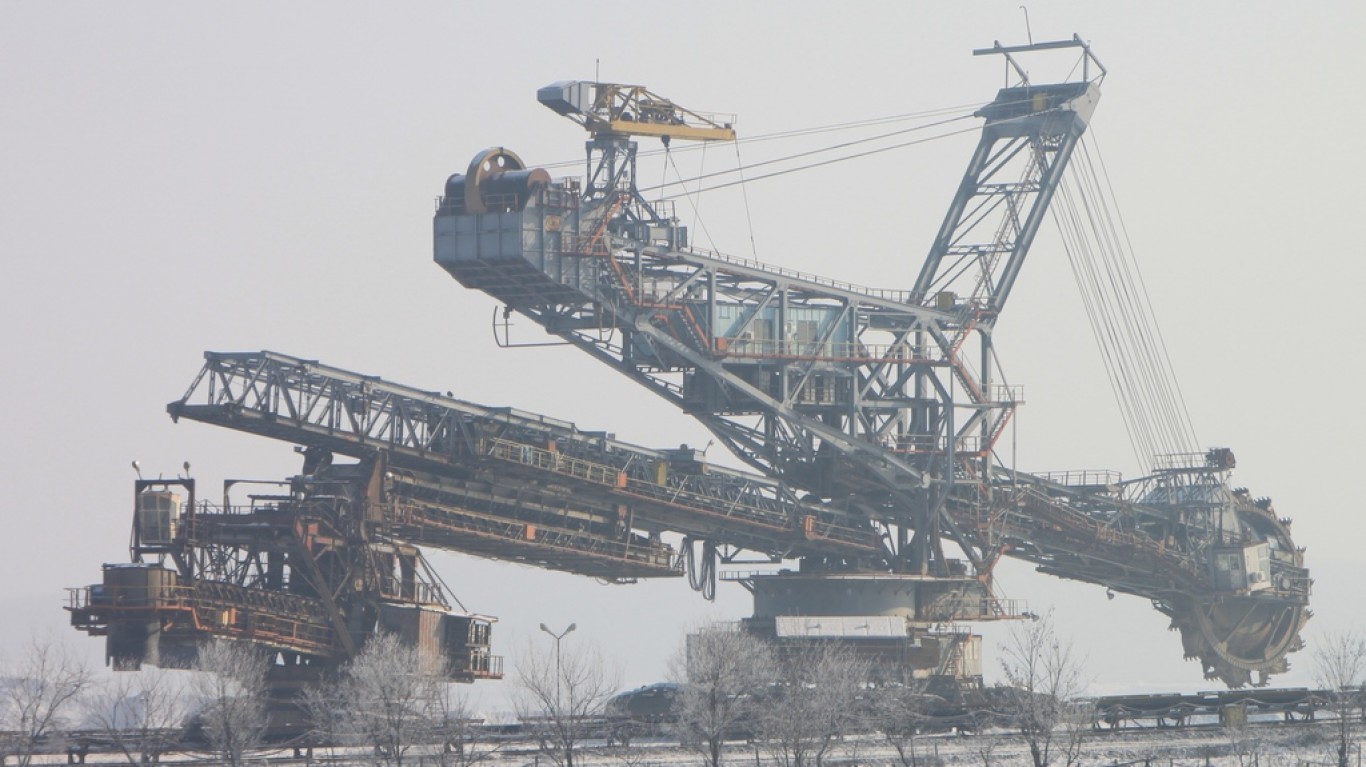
(869, 419)
(890, 402)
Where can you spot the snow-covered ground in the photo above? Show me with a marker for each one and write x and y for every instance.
(1287, 746)
(1301, 745)
(1298, 745)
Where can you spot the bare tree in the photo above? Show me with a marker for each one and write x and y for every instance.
(986, 749)
(1076, 724)
(37, 696)
(231, 684)
(459, 727)
(1340, 669)
(323, 706)
(391, 697)
(1242, 744)
(723, 673)
(899, 711)
(142, 713)
(814, 702)
(1045, 676)
(563, 696)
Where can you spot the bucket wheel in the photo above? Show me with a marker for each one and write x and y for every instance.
(1233, 636)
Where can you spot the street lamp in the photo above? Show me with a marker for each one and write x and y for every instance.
(558, 637)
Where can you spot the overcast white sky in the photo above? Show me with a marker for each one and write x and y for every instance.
(176, 177)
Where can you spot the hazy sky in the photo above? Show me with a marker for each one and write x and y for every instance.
(176, 177)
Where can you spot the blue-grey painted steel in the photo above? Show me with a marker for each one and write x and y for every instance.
(890, 402)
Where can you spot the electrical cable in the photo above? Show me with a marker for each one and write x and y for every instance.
(701, 578)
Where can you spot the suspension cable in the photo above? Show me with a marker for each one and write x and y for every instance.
(831, 148)
(843, 145)
(1119, 311)
(744, 193)
(1143, 286)
(822, 163)
(1160, 382)
(801, 132)
(1066, 218)
(692, 200)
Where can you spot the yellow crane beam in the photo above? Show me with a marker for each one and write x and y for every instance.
(613, 109)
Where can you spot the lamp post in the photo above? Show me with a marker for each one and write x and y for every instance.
(558, 637)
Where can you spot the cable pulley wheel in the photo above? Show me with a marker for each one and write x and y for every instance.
(490, 162)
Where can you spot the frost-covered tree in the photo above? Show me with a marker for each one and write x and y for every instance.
(723, 675)
(561, 696)
(1340, 670)
(37, 697)
(814, 702)
(324, 709)
(899, 710)
(142, 712)
(392, 697)
(461, 745)
(231, 686)
(1044, 673)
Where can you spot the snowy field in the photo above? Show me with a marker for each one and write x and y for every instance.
(1267, 746)
(1300, 745)
(1263, 747)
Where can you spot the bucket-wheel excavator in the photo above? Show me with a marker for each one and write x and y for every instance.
(869, 418)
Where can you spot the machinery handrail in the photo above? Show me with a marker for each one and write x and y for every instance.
(885, 294)
(293, 398)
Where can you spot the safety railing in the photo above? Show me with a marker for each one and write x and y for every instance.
(217, 608)
(110, 596)
(549, 460)
(938, 444)
(1055, 525)
(1006, 608)
(573, 545)
(1083, 477)
(415, 592)
(494, 203)
(982, 606)
(711, 505)
(898, 296)
(741, 347)
(1288, 580)
(774, 518)
(1005, 393)
(955, 568)
(1180, 461)
(478, 664)
(745, 575)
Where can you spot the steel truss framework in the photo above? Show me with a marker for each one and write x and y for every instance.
(835, 388)
(306, 571)
(515, 485)
(448, 457)
(871, 415)
(889, 403)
